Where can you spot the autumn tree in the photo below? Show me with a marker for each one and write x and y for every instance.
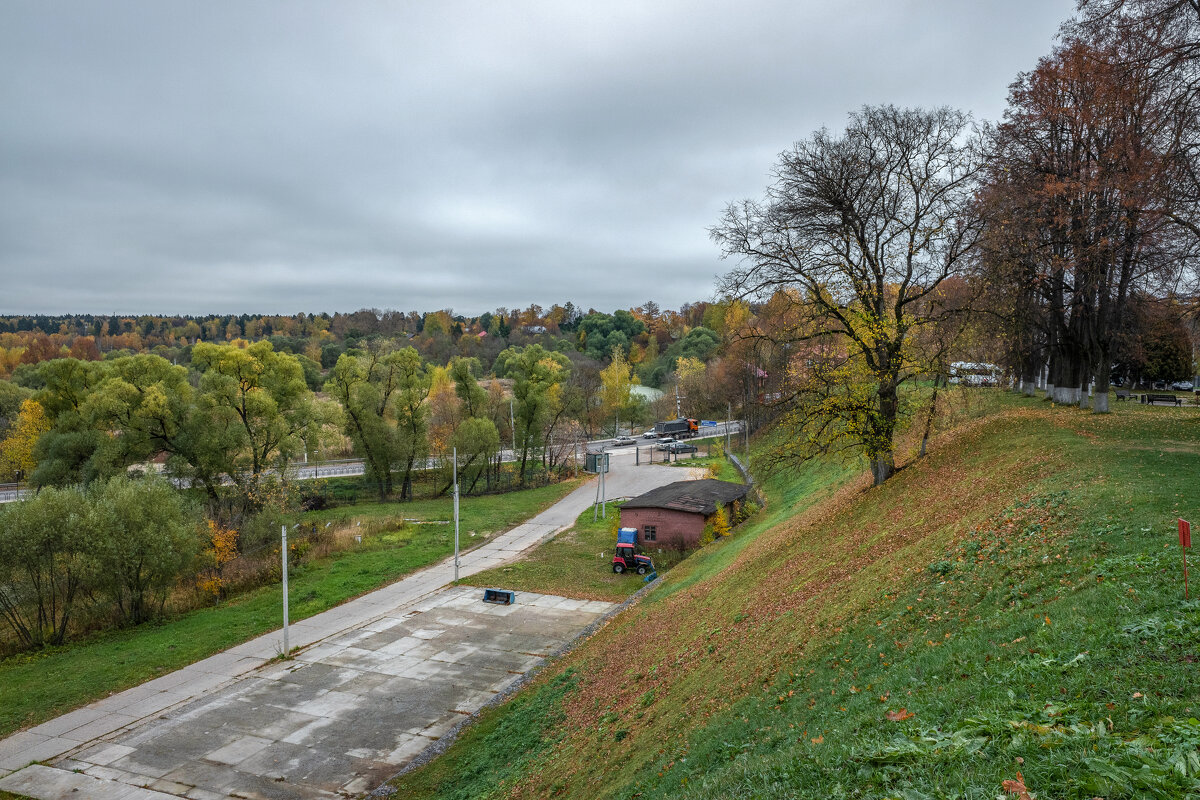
(617, 384)
(411, 412)
(860, 230)
(17, 458)
(1083, 203)
(260, 395)
(538, 376)
(365, 388)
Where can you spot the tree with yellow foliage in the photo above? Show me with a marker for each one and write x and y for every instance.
(859, 231)
(17, 450)
(720, 522)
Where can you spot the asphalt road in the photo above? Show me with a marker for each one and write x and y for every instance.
(336, 469)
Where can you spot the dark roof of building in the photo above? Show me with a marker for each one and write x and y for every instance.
(697, 497)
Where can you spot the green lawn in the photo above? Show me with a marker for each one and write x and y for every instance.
(1011, 604)
(482, 514)
(38, 686)
(576, 563)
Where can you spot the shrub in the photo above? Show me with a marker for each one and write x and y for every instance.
(720, 522)
(143, 539)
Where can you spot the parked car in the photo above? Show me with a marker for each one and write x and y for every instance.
(1159, 385)
(666, 442)
(683, 447)
(621, 441)
(1182, 386)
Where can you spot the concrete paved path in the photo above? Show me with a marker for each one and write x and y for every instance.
(233, 672)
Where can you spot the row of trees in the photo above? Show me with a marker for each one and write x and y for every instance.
(879, 254)
(241, 409)
(645, 335)
(1091, 192)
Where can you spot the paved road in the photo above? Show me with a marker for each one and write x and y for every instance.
(10, 493)
(350, 708)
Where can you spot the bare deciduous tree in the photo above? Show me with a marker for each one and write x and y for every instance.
(857, 233)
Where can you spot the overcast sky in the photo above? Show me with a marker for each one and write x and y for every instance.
(230, 157)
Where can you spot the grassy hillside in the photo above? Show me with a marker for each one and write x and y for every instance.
(1009, 605)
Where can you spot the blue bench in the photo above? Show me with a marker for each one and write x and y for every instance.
(504, 597)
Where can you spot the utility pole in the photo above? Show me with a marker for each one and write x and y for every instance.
(283, 534)
(678, 407)
(455, 463)
(728, 414)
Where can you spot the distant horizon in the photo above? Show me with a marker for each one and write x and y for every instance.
(453, 311)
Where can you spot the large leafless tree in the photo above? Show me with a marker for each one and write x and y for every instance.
(857, 233)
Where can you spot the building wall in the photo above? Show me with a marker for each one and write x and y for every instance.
(675, 529)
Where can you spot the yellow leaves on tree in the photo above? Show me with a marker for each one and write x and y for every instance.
(222, 548)
(444, 410)
(720, 523)
(616, 384)
(16, 451)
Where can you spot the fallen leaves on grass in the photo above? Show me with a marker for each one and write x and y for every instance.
(1017, 787)
(899, 716)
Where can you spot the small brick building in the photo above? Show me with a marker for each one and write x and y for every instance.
(674, 516)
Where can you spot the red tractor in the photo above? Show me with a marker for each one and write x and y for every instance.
(627, 556)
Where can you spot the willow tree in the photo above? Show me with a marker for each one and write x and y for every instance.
(856, 233)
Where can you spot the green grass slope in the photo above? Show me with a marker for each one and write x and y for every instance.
(1008, 609)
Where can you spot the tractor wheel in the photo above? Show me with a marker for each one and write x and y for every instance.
(618, 568)
(641, 569)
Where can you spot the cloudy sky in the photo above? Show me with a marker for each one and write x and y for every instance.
(236, 156)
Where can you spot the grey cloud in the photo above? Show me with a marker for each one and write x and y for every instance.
(258, 156)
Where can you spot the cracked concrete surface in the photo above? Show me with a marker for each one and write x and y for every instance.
(382, 676)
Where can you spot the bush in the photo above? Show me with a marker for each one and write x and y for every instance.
(143, 540)
(115, 551)
(44, 565)
(720, 522)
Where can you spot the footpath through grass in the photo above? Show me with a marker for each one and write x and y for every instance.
(1008, 609)
(38, 686)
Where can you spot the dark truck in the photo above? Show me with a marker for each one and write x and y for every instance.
(679, 428)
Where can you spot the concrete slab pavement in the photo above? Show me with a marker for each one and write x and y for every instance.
(83, 738)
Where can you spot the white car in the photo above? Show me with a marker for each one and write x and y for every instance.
(650, 435)
(1182, 386)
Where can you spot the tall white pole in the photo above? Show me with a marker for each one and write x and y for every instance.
(455, 513)
(283, 533)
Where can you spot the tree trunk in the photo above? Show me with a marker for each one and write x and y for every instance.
(1103, 380)
(882, 468)
(883, 460)
(929, 419)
